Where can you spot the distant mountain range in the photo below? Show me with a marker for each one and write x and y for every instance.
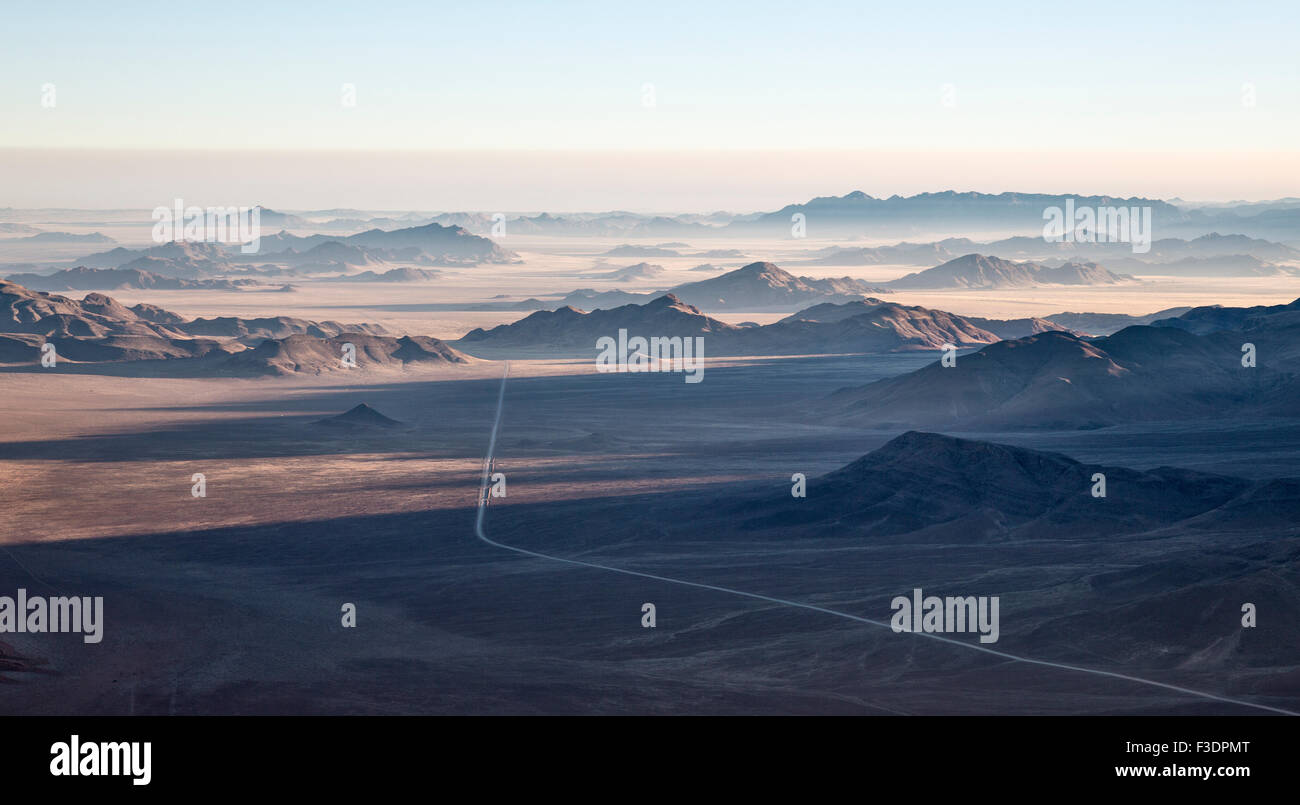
(107, 279)
(435, 244)
(64, 237)
(982, 271)
(641, 251)
(393, 275)
(568, 327)
(757, 286)
(1162, 253)
(23, 310)
(98, 329)
(1079, 323)
(610, 224)
(844, 323)
(1213, 245)
(876, 327)
(439, 245)
(859, 214)
(431, 244)
(1180, 368)
(270, 217)
(854, 214)
(638, 271)
(1027, 373)
(1233, 265)
(309, 354)
(47, 315)
(864, 326)
(720, 254)
(332, 256)
(452, 245)
(901, 254)
(765, 285)
(178, 259)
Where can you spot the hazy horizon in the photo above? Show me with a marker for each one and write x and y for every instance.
(636, 181)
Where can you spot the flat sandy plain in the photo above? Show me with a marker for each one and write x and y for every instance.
(231, 603)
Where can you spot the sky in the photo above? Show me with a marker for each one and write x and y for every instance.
(705, 105)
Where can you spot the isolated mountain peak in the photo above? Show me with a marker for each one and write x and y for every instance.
(361, 415)
(762, 267)
(667, 300)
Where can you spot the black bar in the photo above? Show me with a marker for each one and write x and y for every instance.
(332, 754)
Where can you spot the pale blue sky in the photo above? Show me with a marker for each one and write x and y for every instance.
(1058, 79)
(569, 75)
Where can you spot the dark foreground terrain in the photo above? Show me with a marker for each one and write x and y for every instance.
(688, 481)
